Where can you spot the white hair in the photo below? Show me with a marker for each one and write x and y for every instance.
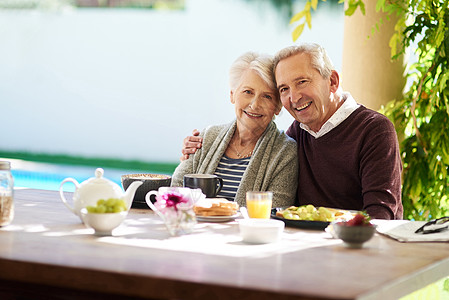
(318, 57)
(262, 64)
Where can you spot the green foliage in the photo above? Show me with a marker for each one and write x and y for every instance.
(421, 116)
(352, 7)
(437, 290)
(306, 15)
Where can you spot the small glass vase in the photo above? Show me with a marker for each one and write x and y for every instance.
(175, 207)
(179, 221)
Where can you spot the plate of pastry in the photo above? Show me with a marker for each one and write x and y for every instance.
(216, 210)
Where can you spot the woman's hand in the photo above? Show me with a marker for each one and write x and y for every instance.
(190, 144)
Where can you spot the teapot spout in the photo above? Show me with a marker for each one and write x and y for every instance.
(130, 192)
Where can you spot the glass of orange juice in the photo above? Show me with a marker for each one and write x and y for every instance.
(258, 204)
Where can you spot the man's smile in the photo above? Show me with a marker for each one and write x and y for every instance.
(302, 107)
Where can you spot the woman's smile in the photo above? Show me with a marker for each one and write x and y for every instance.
(252, 115)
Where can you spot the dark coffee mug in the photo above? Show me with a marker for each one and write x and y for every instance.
(210, 184)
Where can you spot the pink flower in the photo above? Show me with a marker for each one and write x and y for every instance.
(172, 199)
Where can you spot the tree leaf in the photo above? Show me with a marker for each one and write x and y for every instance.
(297, 32)
(314, 4)
(309, 19)
(380, 5)
(362, 7)
(439, 37)
(393, 44)
(350, 10)
(443, 81)
(307, 6)
(297, 17)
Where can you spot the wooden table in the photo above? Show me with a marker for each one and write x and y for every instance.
(47, 253)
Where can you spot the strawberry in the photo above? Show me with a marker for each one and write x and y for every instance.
(360, 219)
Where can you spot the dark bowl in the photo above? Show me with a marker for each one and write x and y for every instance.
(150, 182)
(353, 236)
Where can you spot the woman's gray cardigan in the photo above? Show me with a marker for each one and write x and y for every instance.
(273, 165)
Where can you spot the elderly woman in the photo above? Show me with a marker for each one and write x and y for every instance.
(250, 153)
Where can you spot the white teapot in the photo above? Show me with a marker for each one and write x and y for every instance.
(93, 189)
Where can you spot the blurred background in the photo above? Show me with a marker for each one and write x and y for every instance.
(119, 84)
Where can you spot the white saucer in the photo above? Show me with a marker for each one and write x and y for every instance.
(217, 218)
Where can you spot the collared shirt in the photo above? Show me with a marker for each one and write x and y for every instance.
(348, 107)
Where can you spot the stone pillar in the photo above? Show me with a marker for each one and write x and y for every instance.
(368, 72)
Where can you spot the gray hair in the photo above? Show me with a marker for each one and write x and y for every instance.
(261, 63)
(318, 57)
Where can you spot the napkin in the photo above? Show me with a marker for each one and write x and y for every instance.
(404, 231)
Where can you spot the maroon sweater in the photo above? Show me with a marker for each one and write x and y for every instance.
(355, 166)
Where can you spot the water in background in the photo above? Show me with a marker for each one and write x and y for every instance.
(132, 83)
(49, 176)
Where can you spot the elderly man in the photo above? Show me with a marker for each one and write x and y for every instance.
(348, 154)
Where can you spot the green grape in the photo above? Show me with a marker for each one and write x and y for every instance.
(322, 210)
(101, 209)
(91, 209)
(329, 216)
(310, 208)
(111, 205)
(110, 202)
(309, 213)
(295, 217)
(303, 215)
(287, 214)
(123, 205)
(322, 217)
(324, 214)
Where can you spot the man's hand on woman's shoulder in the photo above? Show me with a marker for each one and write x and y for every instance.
(190, 144)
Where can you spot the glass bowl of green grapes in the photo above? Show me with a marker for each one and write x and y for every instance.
(107, 215)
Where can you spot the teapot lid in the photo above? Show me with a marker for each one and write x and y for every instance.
(99, 172)
(99, 180)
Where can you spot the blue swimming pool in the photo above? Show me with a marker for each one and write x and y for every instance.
(49, 176)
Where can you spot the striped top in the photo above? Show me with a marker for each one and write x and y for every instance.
(231, 170)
